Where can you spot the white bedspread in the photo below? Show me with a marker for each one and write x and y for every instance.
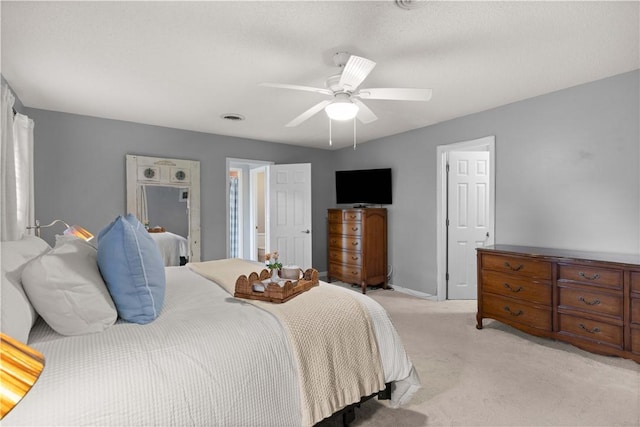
(172, 247)
(332, 337)
(208, 359)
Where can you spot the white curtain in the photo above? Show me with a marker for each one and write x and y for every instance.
(16, 163)
(141, 204)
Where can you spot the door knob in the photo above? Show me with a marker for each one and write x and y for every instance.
(306, 231)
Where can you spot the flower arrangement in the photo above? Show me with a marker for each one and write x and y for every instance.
(271, 261)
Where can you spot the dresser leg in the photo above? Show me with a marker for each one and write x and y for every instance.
(364, 287)
(478, 321)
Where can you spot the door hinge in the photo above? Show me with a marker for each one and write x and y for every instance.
(447, 167)
(446, 276)
(447, 222)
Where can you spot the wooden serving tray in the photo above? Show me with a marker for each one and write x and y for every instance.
(274, 292)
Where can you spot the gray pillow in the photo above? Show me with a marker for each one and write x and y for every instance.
(17, 313)
(67, 290)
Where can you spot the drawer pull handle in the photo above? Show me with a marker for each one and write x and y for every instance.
(508, 310)
(354, 243)
(594, 277)
(355, 258)
(508, 286)
(518, 268)
(591, 331)
(594, 302)
(354, 228)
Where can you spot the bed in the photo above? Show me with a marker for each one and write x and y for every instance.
(206, 359)
(173, 247)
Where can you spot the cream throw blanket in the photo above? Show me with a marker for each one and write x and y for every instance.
(330, 333)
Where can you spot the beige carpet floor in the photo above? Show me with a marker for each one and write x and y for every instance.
(499, 376)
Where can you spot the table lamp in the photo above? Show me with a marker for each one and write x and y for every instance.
(74, 230)
(20, 367)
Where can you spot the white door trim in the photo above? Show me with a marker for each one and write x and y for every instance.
(486, 143)
(232, 162)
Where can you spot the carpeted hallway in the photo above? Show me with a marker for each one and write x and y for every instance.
(498, 376)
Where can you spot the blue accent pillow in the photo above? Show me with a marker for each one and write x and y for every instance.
(132, 267)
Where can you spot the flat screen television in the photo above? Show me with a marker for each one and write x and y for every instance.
(364, 187)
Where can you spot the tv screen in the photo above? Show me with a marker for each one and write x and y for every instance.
(364, 187)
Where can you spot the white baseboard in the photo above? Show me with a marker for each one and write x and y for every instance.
(415, 293)
(424, 295)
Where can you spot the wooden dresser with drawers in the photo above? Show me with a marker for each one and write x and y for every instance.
(357, 246)
(591, 300)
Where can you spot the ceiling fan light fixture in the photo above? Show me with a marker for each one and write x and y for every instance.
(341, 110)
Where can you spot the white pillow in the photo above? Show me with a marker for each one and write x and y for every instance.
(17, 314)
(67, 290)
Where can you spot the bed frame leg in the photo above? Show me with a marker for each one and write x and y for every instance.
(386, 393)
(348, 416)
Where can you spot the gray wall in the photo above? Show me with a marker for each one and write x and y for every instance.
(80, 172)
(567, 174)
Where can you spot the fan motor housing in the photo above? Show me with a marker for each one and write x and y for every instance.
(333, 83)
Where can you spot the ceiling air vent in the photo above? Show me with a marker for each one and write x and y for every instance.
(410, 4)
(233, 117)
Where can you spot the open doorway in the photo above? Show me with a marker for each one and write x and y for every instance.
(258, 213)
(465, 213)
(269, 209)
(246, 195)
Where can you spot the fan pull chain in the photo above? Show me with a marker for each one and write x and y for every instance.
(330, 141)
(354, 133)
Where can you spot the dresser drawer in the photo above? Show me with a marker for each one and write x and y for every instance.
(347, 228)
(345, 273)
(516, 287)
(635, 281)
(592, 330)
(635, 341)
(591, 275)
(335, 216)
(514, 311)
(635, 310)
(593, 302)
(345, 257)
(517, 266)
(345, 242)
(352, 215)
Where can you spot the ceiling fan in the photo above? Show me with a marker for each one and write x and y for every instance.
(346, 93)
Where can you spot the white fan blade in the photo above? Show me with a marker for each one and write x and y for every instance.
(307, 114)
(355, 71)
(396, 94)
(365, 115)
(297, 87)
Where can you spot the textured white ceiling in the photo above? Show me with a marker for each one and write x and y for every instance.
(184, 64)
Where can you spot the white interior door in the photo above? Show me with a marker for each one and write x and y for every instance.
(289, 213)
(469, 219)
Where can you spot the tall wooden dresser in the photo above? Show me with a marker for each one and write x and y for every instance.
(591, 300)
(357, 245)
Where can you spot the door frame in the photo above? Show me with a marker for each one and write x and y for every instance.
(486, 143)
(253, 208)
(232, 162)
